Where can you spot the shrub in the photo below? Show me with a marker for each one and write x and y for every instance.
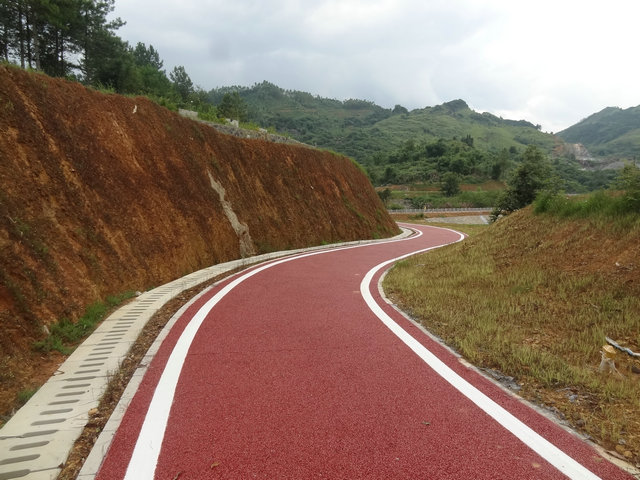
(531, 177)
(629, 181)
(450, 184)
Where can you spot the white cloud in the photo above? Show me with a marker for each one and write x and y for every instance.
(551, 62)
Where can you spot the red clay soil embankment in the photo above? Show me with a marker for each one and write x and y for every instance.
(100, 194)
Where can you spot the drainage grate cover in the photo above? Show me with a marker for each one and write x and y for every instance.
(36, 441)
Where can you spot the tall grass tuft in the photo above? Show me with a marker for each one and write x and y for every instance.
(597, 204)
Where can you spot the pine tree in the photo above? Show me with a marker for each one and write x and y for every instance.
(182, 83)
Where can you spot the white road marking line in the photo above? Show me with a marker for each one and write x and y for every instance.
(552, 454)
(144, 458)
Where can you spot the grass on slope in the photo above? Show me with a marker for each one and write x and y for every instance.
(456, 119)
(65, 334)
(534, 297)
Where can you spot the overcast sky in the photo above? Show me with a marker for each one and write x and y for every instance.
(552, 62)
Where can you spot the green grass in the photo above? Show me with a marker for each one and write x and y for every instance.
(24, 395)
(598, 204)
(353, 209)
(602, 207)
(65, 334)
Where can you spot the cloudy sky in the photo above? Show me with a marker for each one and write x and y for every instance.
(552, 62)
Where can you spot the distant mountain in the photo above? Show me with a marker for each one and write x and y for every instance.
(362, 129)
(398, 146)
(612, 133)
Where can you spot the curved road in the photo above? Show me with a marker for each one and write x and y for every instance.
(298, 369)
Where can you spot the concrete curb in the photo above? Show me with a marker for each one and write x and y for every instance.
(35, 442)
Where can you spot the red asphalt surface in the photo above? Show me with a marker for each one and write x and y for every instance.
(291, 376)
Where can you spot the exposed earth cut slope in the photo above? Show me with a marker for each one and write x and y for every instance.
(100, 194)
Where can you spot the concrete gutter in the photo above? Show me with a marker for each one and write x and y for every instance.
(35, 442)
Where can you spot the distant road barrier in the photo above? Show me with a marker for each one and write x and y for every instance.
(440, 210)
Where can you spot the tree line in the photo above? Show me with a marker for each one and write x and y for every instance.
(75, 39)
(56, 37)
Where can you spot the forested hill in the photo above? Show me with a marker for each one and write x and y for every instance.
(612, 132)
(362, 129)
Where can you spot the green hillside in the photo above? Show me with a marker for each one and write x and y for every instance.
(456, 120)
(362, 129)
(611, 133)
(314, 120)
(397, 146)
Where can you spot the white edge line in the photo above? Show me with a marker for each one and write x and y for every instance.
(552, 454)
(145, 455)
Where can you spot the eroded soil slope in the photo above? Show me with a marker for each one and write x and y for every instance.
(100, 194)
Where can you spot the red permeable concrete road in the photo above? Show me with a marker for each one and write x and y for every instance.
(291, 376)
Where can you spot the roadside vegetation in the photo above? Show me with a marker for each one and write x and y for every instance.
(64, 335)
(454, 174)
(78, 41)
(621, 205)
(534, 297)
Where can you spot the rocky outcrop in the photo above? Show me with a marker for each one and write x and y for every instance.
(580, 153)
